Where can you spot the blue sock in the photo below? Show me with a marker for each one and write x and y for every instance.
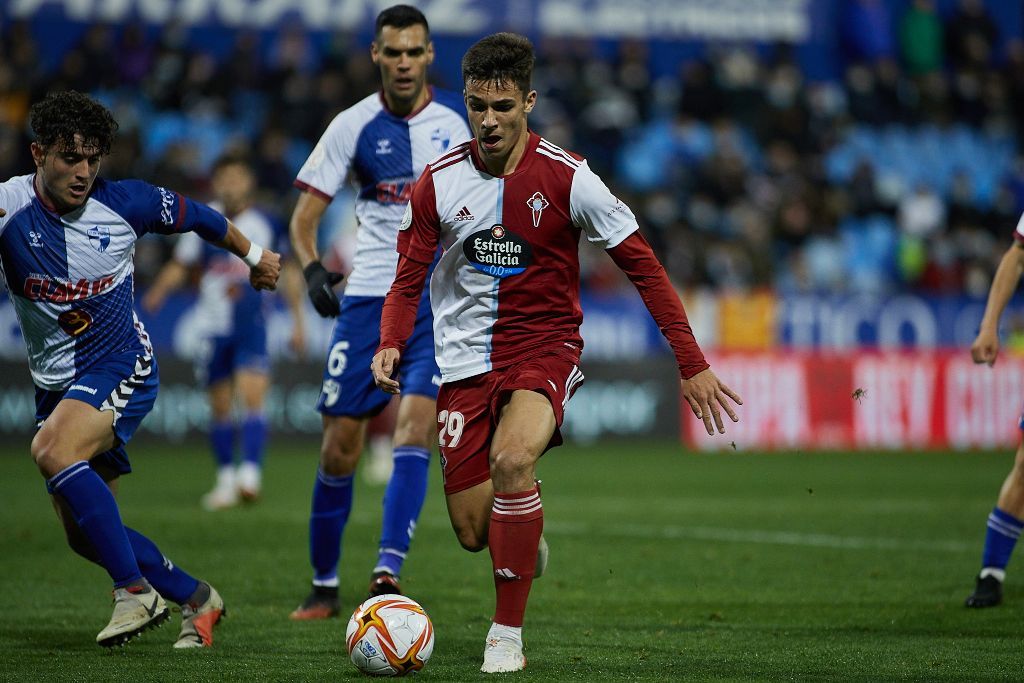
(254, 438)
(332, 503)
(168, 580)
(1000, 537)
(96, 514)
(403, 500)
(222, 442)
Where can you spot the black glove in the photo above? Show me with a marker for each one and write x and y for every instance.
(320, 284)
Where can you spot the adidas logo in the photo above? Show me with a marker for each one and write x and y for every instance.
(464, 215)
(507, 574)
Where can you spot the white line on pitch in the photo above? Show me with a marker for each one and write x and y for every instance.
(758, 536)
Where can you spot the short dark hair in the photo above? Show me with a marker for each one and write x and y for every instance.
(66, 113)
(500, 58)
(233, 158)
(401, 16)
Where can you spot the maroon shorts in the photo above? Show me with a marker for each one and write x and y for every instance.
(468, 412)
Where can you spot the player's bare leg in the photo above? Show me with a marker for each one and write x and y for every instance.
(251, 388)
(340, 448)
(1004, 527)
(380, 433)
(69, 437)
(224, 493)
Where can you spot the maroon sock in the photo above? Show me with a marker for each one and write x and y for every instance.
(517, 520)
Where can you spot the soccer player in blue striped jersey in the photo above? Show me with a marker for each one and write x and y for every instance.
(1006, 521)
(384, 141)
(66, 243)
(230, 324)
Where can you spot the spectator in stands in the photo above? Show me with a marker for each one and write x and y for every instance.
(971, 35)
(921, 39)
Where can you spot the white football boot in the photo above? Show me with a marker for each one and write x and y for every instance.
(224, 493)
(134, 612)
(249, 480)
(503, 650)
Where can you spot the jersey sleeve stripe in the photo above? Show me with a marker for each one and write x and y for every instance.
(448, 162)
(557, 157)
(306, 187)
(559, 151)
(181, 213)
(458, 150)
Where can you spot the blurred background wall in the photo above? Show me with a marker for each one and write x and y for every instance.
(830, 184)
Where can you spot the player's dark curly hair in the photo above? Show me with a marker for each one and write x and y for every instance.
(500, 58)
(401, 16)
(58, 118)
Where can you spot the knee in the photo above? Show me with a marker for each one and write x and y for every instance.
(1017, 473)
(413, 433)
(46, 453)
(338, 459)
(511, 466)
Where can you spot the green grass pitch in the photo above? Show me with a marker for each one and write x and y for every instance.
(664, 566)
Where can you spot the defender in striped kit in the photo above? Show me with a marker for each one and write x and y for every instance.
(1006, 521)
(508, 209)
(66, 244)
(384, 141)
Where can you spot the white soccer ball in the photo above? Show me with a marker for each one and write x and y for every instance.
(389, 635)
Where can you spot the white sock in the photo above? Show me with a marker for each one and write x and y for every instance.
(999, 574)
(510, 633)
(226, 477)
(328, 583)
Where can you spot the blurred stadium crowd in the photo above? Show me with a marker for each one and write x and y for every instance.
(905, 174)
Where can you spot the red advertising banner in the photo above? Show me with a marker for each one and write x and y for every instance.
(866, 400)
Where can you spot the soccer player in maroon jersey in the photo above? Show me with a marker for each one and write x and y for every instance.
(1006, 521)
(508, 208)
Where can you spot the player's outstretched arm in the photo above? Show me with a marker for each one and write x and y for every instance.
(264, 264)
(703, 391)
(986, 346)
(383, 366)
(706, 395)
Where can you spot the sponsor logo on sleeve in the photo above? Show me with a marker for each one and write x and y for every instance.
(498, 251)
(406, 218)
(316, 157)
(166, 206)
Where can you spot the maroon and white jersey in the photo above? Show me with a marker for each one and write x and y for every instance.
(507, 284)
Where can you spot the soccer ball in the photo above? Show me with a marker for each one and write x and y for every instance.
(389, 635)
